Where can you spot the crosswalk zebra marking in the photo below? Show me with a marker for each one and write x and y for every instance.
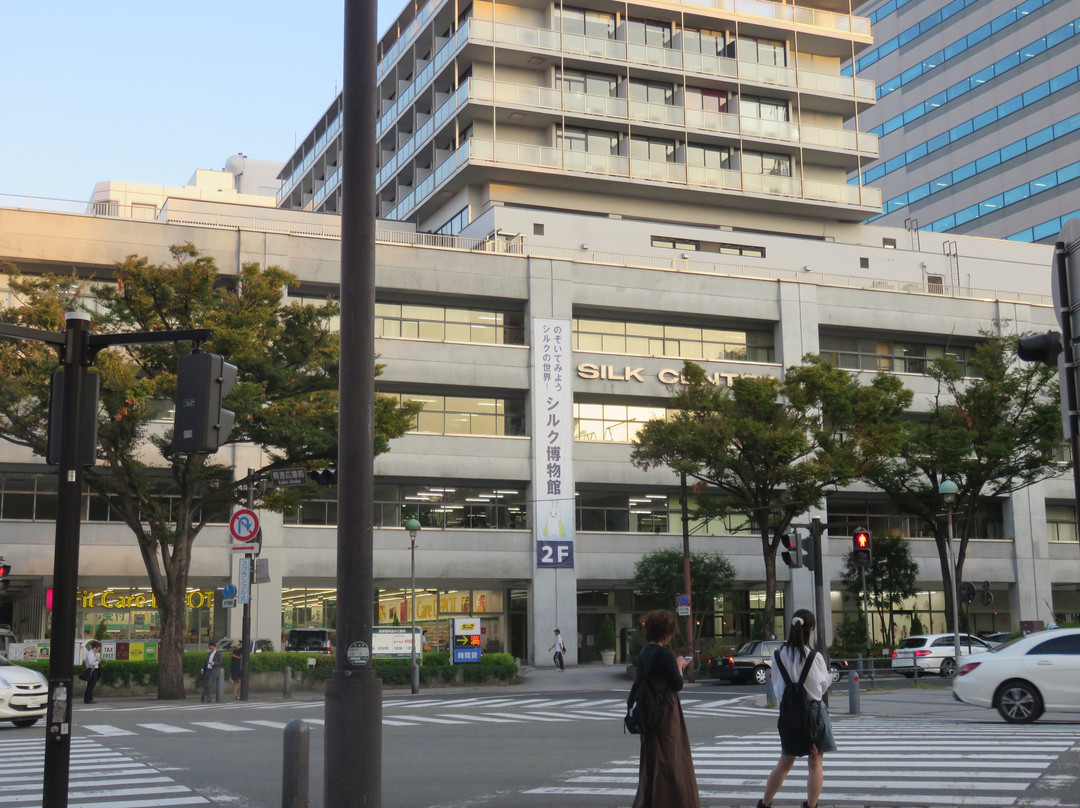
(166, 728)
(107, 730)
(220, 725)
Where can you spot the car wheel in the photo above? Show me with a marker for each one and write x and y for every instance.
(25, 722)
(948, 668)
(761, 674)
(836, 673)
(1019, 702)
(907, 675)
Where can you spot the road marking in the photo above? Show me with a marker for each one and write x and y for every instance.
(487, 718)
(268, 724)
(432, 720)
(107, 730)
(166, 728)
(222, 726)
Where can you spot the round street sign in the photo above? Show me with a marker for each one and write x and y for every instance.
(682, 600)
(358, 654)
(228, 591)
(967, 592)
(244, 525)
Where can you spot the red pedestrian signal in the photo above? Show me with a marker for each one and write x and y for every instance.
(861, 547)
(791, 555)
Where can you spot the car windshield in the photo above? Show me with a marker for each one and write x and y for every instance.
(746, 648)
(4, 662)
(913, 642)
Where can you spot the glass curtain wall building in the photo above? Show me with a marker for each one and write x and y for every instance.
(976, 118)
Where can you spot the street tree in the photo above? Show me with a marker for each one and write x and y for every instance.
(890, 580)
(285, 401)
(659, 575)
(772, 448)
(993, 430)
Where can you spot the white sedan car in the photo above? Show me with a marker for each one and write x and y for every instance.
(24, 694)
(1024, 677)
(933, 653)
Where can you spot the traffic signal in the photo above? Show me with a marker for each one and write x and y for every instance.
(1043, 348)
(808, 552)
(89, 417)
(861, 547)
(790, 553)
(201, 424)
(5, 570)
(324, 476)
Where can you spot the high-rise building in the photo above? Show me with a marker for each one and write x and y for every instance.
(721, 113)
(976, 115)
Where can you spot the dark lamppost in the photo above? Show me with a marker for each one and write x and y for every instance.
(413, 526)
(948, 490)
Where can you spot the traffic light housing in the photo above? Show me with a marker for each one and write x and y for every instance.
(201, 423)
(323, 476)
(808, 552)
(790, 553)
(1042, 348)
(5, 570)
(862, 547)
(89, 418)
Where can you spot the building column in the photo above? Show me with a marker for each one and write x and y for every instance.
(553, 605)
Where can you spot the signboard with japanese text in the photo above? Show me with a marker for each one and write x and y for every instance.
(553, 440)
(393, 643)
(466, 640)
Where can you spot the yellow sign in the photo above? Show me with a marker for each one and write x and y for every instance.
(110, 599)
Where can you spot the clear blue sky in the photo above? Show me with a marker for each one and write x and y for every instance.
(149, 91)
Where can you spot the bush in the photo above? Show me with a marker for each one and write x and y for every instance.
(605, 635)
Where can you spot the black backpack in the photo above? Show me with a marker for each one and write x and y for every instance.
(643, 706)
(796, 724)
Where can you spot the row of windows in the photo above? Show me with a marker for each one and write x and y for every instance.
(455, 224)
(603, 25)
(719, 247)
(1013, 196)
(677, 341)
(985, 163)
(466, 415)
(907, 35)
(856, 353)
(991, 116)
(979, 79)
(1043, 230)
(961, 45)
(445, 324)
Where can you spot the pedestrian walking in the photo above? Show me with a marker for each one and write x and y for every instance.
(212, 672)
(793, 656)
(236, 670)
(92, 661)
(558, 655)
(666, 776)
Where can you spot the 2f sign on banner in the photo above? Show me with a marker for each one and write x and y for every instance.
(554, 554)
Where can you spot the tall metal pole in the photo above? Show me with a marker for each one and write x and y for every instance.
(952, 583)
(245, 624)
(76, 358)
(414, 672)
(353, 737)
(866, 615)
(1072, 407)
(686, 573)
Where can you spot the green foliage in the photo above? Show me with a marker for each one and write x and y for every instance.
(101, 630)
(605, 635)
(890, 580)
(436, 658)
(660, 574)
(993, 431)
(850, 635)
(285, 400)
(773, 448)
(916, 625)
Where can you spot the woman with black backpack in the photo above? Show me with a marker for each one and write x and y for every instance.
(796, 654)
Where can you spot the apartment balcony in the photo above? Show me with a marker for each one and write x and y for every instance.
(566, 168)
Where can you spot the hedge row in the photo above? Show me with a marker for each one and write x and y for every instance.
(435, 668)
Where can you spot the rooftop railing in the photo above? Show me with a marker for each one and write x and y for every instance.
(517, 246)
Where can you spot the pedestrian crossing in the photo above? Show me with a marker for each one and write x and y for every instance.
(98, 778)
(878, 762)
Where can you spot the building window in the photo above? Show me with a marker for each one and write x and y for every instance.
(764, 163)
(649, 512)
(707, 100)
(593, 141)
(864, 263)
(656, 150)
(456, 224)
(445, 324)
(649, 32)
(935, 284)
(708, 43)
(769, 109)
(612, 423)
(465, 415)
(889, 356)
(675, 243)
(586, 23)
(680, 342)
(708, 156)
(762, 51)
(723, 248)
(578, 81)
(538, 229)
(651, 92)
(1060, 523)
(888, 243)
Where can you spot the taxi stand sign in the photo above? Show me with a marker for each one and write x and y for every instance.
(466, 632)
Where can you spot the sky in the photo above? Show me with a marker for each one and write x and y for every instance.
(150, 91)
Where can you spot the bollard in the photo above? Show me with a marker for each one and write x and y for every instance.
(853, 693)
(286, 683)
(915, 676)
(294, 768)
(219, 684)
(769, 702)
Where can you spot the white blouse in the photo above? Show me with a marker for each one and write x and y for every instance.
(817, 680)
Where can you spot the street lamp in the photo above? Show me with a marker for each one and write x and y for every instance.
(948, 490)
(413, 526)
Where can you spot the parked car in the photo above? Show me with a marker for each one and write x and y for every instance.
(1024, 677)
(997, 638)
(24, 694)
(311, 640)
(7, 637)
(226, 644)
(934, 653)
(753, 661)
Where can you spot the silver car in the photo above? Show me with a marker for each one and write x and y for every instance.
(934, 653)
(24, 694)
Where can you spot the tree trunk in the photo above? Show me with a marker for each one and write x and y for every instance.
(171, 649)
(949, 591)
(769, 614)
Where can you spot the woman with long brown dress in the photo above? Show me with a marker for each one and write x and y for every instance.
(666, 773)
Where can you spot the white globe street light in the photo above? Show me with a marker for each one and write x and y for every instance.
(413, 526)
(948, 491)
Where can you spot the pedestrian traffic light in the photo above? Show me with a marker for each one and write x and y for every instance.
(201, 423)
(1042, 348)
(5, 570)
(88, 418)
(808, 552)
(790, 553)
(861, 547)
(324, 476)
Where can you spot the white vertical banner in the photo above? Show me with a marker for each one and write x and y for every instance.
(243, 583)
(553, 440)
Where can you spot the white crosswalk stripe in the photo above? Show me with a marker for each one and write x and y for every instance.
(879, 761)
(98, 778)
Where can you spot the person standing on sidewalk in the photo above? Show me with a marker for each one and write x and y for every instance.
(211, 673)
(559, 648)
(92, 660)
(792, 656)
(666, 777)
(236, 670)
